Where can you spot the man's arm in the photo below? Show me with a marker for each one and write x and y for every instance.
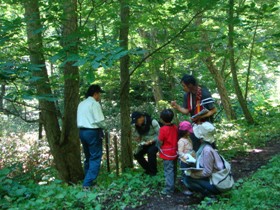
(205, 114)
(179, 108)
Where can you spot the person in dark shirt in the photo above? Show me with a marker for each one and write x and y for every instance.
(197, 99)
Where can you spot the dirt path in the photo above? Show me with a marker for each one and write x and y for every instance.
(243, 165)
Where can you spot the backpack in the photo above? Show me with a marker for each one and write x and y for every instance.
(223, 179)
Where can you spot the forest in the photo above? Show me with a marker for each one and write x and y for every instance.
(137, 51)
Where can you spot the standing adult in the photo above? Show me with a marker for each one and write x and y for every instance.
(196, 99)
(145, 132)
(90, 121)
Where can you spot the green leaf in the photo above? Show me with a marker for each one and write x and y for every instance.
(80, 62)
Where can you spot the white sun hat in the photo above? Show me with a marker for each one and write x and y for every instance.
(205, 131)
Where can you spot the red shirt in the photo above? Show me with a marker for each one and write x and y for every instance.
(168, 135)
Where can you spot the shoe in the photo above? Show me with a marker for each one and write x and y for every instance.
(166, 193)
(86, 189)
(210, 200)
(187, 192)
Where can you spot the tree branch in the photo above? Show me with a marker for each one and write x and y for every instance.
(165, 44)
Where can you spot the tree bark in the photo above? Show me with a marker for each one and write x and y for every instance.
(219, 80)
(154, 66)
(250, 61)
(217, 75)
(237, 88)
(126, 146)
(157, 91)
(66, 153)
(2, 94)
(69, 139)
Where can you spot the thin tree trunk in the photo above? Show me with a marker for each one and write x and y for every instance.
(157, 91)
(238, 91)
(63, 153)
(154, 66)
(3, 91)
(126, 146)
(250, 61)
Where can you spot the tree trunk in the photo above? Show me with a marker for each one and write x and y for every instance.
(154, 64)
(69, 139)
(250, 61)
(237, 88)
(219, 80)
(2, 94)
(126, 146)
(157, 91)
(65, 153)
(217, 75)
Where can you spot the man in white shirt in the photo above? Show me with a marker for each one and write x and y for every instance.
(90, 121)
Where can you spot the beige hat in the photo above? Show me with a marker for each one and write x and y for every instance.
(204, 131)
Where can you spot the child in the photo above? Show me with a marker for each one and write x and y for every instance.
(185, 149)
(168, 137)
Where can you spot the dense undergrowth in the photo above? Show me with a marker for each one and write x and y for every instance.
(28, 180)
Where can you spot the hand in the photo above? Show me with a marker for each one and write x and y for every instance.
(138, 139)
(196, 119)
(174, 104)
(196, 174)
(149, 142)
(185, 156)
(189, 158)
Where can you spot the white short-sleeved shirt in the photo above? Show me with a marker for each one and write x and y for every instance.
(89, 114)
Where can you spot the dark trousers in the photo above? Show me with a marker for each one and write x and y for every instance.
(201, 185)
(92, 145)
(150, 164)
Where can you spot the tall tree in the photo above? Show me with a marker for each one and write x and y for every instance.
(126, 146)
(209, 61)
(64, 145)
(233, 67)
(69, 140)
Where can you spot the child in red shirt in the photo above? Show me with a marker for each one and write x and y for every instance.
(168, 138)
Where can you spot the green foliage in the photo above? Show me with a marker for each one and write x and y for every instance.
(112, 193)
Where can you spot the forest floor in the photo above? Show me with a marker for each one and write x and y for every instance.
(243, 165)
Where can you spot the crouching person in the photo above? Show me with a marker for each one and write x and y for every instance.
(209, 163)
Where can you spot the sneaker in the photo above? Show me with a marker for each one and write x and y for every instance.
(86, 189)
(187, 192)
(166, 193)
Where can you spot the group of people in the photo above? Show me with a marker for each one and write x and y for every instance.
(191, 142)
